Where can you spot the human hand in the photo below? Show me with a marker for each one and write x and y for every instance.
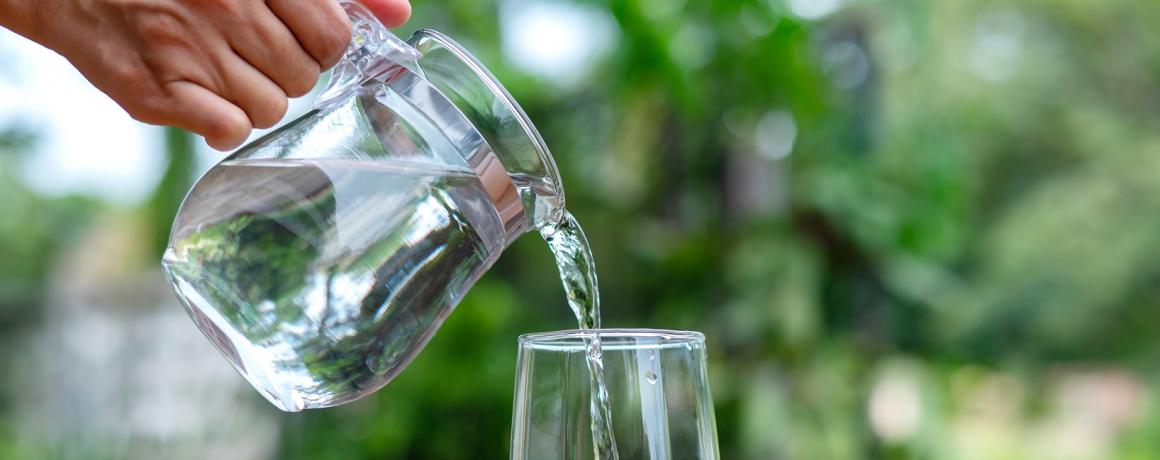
(219, 68)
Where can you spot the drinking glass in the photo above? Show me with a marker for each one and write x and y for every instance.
(657, 384)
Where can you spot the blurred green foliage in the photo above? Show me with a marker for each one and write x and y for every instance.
(956, 255)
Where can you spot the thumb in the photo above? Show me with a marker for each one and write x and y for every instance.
(392, 13)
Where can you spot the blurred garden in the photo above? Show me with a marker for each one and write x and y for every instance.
(908, 230)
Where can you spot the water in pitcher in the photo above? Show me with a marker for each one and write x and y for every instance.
(316, 256)
(314, 253)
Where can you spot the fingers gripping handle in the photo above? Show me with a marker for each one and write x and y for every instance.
(372, 53)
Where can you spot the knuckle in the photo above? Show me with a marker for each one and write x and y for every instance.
(298, 88)
(333, 41)
(302, 82)
(143, 113)
(128, 74)
(269, 113)
(159, 27)
(191, 106)
(148, 107)
(226, 131)
(229, 8)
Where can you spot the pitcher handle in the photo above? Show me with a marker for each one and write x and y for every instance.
(372, 53)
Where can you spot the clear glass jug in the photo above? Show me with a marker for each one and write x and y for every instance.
(321, 258)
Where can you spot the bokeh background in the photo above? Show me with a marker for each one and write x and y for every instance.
(909, 229)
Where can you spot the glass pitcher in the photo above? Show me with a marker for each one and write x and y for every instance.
(321, 258)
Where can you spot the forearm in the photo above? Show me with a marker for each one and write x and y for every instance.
(31, 19)
(20, 16)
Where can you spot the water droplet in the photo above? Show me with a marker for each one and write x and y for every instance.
(651, 377)
(652, 355)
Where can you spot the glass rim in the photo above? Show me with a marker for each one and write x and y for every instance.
(612, 339)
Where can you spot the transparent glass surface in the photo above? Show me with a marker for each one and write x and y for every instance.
(497, 116)
(321, 258)
(320, 272)
(657, 382)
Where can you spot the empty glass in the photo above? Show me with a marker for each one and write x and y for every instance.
(657, 382)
